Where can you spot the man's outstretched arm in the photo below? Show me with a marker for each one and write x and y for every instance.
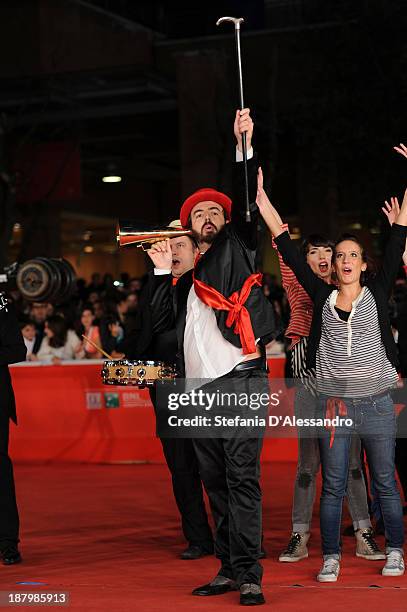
(247, 231)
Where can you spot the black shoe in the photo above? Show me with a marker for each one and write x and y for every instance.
(214, 589)
(251, 595)
(263, 554)
(195, 552)
(10, 555)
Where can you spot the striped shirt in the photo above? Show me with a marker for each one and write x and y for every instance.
(299, 366)
(301, 305)
(351, 358)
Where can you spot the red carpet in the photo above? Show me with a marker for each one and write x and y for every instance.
(110, 536)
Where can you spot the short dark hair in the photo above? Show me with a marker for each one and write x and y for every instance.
(316, 240)
(23, 322)
(87, 307)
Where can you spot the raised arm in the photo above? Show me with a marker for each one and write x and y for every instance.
(288, 250)
(402, 149)
(395, 248)
(247, 231)
(392, 211)
(269, 213)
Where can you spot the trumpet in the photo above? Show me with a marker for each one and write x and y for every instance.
(128, 233)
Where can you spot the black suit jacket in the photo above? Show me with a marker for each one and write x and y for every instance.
(12, 350)
(144, 342)
(225, 266)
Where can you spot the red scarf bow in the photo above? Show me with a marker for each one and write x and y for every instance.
(234, 305)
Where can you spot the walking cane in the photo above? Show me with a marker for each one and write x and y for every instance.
(237, 21)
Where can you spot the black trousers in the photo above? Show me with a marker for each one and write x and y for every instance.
(182, 462)
(9, 520)
(230, 470)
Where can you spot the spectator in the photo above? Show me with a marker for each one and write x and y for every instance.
(130, 318)
(29, 334)
(135, 284)
(59, 343)
(93, 297)
(122, 308)
(91, 331)
(99, 311)
(111, 334)
(95, 283)
(38, 315)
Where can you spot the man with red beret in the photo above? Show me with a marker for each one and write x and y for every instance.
(223, 322)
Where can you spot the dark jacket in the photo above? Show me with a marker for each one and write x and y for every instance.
(401, 325)
(381, 287)
(12, 350)
(143, 342)
(225, 266)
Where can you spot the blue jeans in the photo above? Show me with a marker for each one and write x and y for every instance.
(374, 421)
(306, 406)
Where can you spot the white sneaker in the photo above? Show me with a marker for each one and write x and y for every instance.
(329, 571)
(394, 564)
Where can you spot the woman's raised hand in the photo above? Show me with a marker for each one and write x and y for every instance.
(267, 210)
(402, 149)
(391, 210)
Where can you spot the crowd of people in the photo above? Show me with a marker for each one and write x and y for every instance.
(106, 312)
(100, 310)
(205, 306)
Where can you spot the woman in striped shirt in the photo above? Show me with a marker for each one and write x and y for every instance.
(353, 350)
(317, 252)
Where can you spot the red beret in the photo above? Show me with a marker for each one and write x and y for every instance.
(204, 195)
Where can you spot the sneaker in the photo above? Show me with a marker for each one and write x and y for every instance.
(366, 545)
(394, 564)
(329, 571)
(296, 549)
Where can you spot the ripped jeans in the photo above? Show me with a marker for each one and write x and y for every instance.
(305, 407)
(373, 420)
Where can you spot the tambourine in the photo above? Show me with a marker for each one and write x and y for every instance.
(136, 373)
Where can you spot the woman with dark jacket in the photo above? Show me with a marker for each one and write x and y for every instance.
(352, 348)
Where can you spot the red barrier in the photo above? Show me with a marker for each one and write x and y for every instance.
(65, 413)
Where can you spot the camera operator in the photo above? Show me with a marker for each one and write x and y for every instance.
(12, 350)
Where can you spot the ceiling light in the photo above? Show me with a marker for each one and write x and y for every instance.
(88, 249)
(112, 178)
